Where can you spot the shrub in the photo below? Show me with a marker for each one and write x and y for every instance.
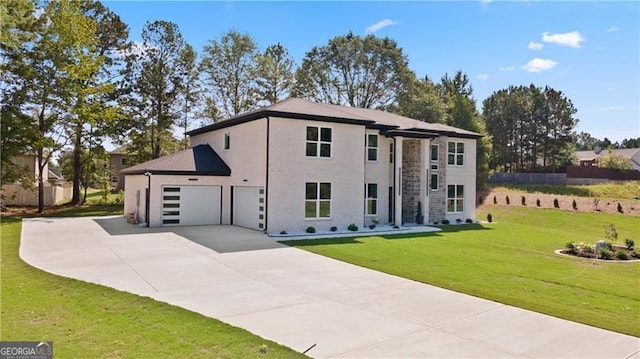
(311, 229)
(469, 220)
(609, 245)
(610, 233)
(445, 221)
(507, 200)
(334, 228)
(264, 349)
(352, 227)
(538, 202)
(620, 208)
(571, 248)
(556, 204)
(574, 205)
(458, 220)
(372, 226)
(635, 254)
(605, 254)
(584, 247)
(489, 218)
(283, 232)
(495, 200)
(395, 226)
(523, 200)
(629, 243)
(622, 255)
(436, 223)
(596, 201)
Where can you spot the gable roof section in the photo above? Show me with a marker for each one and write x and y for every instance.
(295, 108)
(199, 160)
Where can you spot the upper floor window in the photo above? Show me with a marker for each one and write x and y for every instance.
(371, 199)
(227, 140)
(124, 161)
(455, 153)
(317, 200)
(318, 141)
(391, 152)
(372, 147)
(435, 152)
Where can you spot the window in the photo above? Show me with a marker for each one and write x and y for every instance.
(391, 152)
(371, 199)
(434, 183)
(455, 198)
(114, 179)
(455, 153)
(124, 161)
(435, 153)
(227, 140)
(318, 141)
(372, 147)
(317, 202)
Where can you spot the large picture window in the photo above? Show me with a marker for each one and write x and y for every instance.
(455, 153)
(371, 199)
(455, 198)
(318, 141)
(317, 202)
(372, 147)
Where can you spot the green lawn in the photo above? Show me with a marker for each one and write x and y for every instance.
(91, 321)
(512, 262)
(625, 190)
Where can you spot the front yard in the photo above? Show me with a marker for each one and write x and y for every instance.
(512, 262)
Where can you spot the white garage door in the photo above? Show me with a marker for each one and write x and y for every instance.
(248, 207)
(191, 205)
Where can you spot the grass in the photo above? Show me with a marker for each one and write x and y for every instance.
(91, 321)
(626, 190)
(512, 262)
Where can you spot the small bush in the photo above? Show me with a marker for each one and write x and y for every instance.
(489, 218)
(352, 227)
(445, 221)
(620, 208)
(311, 230)
(395, 226)
(507, 200)
(523, 200)
(635, 254)
(622, 255)
(334, 228)
(458, 221)
(610, 233)
(538, 202)
(571, 248)
(436, 223)
(372, 226)
(629, 243)
(605, 254)
(574, 205)
(283, 232)
(609, 245)
(556, 204)
(495, 200)
(264, 349)
(468, 220)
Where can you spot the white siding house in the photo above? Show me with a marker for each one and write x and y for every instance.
(297, 164)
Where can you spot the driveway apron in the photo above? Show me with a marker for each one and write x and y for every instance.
(301, 299)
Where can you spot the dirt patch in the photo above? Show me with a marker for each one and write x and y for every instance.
(583, 204)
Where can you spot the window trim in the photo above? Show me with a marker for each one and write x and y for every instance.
(318, 200)
(437, 146)
(227, 141)
(318, 142)
(455, 199)
(455, 153)
(377, 148)
(367, 198)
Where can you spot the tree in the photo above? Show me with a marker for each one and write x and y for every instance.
(350, 70)
(274, 74)
(630, 143)
(191, 90)
(229, 67)
(614, 161)
(585, 142)
(421, 101)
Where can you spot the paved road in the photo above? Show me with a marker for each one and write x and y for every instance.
(300, 299)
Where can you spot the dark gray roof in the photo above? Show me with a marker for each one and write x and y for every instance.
(295, 108)
(198, 160)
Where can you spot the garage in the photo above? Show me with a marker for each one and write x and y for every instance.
(191, 205)
(249, 207)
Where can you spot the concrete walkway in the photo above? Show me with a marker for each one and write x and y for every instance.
(300, 299)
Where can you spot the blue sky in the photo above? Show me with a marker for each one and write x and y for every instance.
(588, 50)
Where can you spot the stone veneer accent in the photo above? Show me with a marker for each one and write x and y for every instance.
(438, 199)
(411, 157)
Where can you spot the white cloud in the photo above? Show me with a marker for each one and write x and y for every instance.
(539, 65)
(508, 68)
(535, 45)
(380, 25)
(571, 39)
(609, 108)
(483, 77)
(613, 29)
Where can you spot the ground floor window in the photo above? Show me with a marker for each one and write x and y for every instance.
(317, 202)
(371, 199)
(455, 198)
(434, 182)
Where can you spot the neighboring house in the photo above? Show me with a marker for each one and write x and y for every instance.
(591, 158)
(56, 189)
(118, 161)
(297, 164)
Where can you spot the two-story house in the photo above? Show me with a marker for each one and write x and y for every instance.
(297, 164)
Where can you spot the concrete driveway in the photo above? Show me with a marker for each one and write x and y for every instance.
(299, 299)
